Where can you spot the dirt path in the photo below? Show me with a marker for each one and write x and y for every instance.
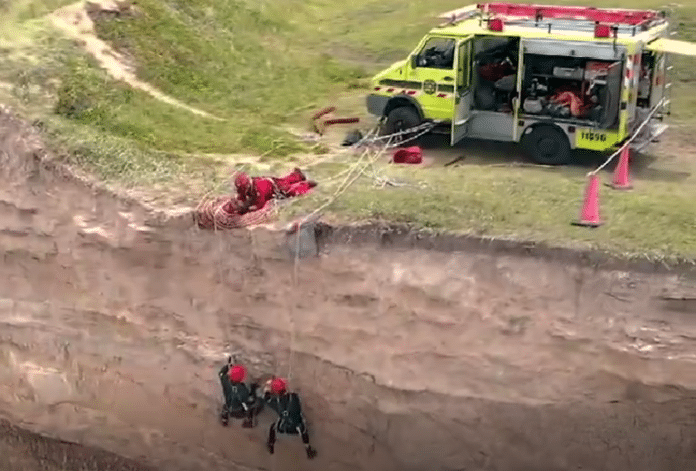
(75, 22)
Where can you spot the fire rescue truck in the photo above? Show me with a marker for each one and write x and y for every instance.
(553, 78)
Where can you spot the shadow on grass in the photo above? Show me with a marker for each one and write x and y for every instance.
(492, 153)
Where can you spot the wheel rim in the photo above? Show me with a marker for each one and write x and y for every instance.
(548, 147)
(399, 126)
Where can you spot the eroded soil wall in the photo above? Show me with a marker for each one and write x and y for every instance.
(114, 321)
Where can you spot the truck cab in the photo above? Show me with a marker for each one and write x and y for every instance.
(551, 78)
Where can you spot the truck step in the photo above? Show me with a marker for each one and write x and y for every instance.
(441, 131)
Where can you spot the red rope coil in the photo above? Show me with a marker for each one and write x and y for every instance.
(211, 214)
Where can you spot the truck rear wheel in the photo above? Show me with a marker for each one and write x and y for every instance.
(547, 145)
(400, 119)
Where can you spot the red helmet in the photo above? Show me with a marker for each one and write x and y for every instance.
(279, 385)
(237, 373)
(242, 180)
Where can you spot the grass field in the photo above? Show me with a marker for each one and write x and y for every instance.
(263, 66)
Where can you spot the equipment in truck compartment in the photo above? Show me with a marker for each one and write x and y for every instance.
(565, 87)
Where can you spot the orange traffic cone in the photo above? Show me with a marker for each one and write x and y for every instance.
(589, 215)
(621, 180)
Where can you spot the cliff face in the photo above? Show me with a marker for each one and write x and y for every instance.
(115, 321)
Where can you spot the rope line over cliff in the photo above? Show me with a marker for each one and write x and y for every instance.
(347, 182)
(291, 307)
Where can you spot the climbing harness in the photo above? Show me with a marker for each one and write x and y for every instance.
(283, 420)
(244, 405)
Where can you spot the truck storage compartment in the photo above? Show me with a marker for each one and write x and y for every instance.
(585, 90)
(645, 80)
(495, 72)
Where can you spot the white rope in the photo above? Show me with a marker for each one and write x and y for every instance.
(219, 283)
(291, 308)
(371, 138)
(344, 186)
(425, 127)
(347, 182)
(379, 180)
(349, 169)
(625, 144)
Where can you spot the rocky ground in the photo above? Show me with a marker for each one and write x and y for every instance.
(24, 450)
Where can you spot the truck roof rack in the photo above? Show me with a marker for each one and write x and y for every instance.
(603, 15)
(619, 17)
(460, 14)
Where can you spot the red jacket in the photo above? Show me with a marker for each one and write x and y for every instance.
(285, 183)
(255, 195)
(263, 191)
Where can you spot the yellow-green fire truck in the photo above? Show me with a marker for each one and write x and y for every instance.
(553, 78)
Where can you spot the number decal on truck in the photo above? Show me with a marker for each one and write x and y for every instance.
(591, 139)
(593, 136)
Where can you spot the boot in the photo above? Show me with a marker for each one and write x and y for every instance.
(300, 173)
(224, 417)
(311, 452)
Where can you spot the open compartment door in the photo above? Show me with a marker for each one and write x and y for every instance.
(672, 46)
(462, 91)
(609, 97)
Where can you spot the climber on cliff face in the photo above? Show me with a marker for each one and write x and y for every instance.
(241, 401)
(289, 409)
(254, 192)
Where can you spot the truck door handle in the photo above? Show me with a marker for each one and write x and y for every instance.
(448, 79)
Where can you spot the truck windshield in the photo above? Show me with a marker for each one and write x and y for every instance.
(437, 53)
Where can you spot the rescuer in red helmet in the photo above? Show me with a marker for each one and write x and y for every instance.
(254, 193)
(289, 409)
(241, 401)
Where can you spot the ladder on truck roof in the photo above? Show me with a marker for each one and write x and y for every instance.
(624, 21)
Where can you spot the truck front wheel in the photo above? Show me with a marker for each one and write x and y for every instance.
(400, 119)
(547, 145)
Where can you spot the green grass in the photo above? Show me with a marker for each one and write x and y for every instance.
(89, 97)
(238, 74)
(528, 203)
(17, 11)
(228, 59)
(262, 66)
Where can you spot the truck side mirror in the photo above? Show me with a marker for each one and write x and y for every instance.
(414, 61)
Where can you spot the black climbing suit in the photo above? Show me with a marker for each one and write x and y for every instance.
(290, 421)
(241, 401)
